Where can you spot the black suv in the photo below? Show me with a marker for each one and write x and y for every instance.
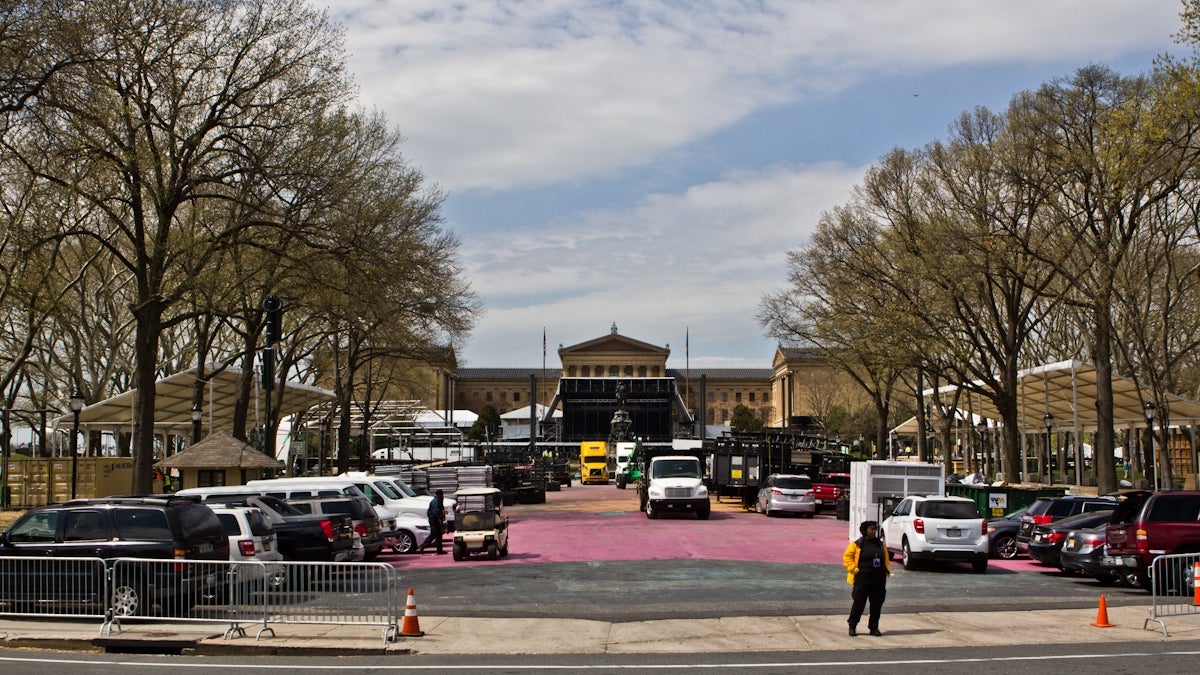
(1046, 510)
(159, 527)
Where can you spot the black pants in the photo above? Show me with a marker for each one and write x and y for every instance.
(435, 534)
(873, 590)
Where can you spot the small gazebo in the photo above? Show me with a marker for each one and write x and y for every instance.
(219, 459)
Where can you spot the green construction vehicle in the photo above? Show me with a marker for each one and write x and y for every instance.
(629, 463)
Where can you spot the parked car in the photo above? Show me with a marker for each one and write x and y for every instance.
(362, 515)
(829, 488)
(1049, 509)
(1002, 535)
(1046, 543)
(410, 534)
(1150, 524)
(252, 539)
(937, 528)
(168, 528)
(1081, 553)
(786, 493)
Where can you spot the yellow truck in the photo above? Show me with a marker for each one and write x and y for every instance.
(593, 462)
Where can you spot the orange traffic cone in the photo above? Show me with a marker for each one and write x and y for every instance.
(1196, 584)
(1101, 615)
(411, 627)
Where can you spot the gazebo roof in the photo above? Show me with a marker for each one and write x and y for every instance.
(219, 451)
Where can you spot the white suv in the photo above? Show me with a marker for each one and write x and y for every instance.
(937, 528)
(252, 538)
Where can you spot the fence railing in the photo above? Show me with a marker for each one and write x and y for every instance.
(1173, 588)
(237, 594)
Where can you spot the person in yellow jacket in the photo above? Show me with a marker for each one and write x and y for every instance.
(868, 566)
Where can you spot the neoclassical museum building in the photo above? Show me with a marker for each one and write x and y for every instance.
(797, 385)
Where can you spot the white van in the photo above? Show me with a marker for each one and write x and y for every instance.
(378, 491)
(322, 487)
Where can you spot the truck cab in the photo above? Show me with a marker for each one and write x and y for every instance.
(674, 483)
(593, 462)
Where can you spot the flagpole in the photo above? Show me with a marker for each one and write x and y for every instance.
(687, 365)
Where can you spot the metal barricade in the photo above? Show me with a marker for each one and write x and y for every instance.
(205, 591)
(363, 594)
(73, 588)
(1173, 588)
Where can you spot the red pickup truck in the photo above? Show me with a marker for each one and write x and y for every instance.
(830, 486)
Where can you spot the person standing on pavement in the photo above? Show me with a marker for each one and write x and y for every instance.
(868, 567)
(437, 519)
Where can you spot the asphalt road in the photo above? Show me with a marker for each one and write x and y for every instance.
(588, 550)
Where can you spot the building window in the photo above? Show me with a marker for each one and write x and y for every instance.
(504, 397)
(724, 397)
(752, 397)
(516, 397)
(737, 397)
(712, 396)
(210, 477)
(488, 397)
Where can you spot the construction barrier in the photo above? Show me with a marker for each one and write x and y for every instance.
(237, 594)
(1173, 589)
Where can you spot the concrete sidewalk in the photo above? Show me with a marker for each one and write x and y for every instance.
(454, 635)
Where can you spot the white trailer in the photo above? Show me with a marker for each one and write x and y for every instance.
(877, 485)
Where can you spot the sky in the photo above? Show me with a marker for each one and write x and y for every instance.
(649, 164)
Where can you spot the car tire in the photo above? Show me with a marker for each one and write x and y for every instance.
(1004, 547)
(459, 551)
(758, 506)
(493, 551)
(406, 542)
(129, 597)
(979, 566)
(906, 557)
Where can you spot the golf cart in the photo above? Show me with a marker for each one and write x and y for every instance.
(480, 528)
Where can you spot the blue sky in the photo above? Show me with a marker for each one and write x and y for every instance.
(651, 163)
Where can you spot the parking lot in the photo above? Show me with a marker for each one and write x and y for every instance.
(596, 523)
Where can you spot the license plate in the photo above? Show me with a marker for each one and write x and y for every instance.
(266, 546)
(954, 532)
(1071, 542)
(1037, 538)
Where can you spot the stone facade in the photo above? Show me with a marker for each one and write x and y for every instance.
(796, 384)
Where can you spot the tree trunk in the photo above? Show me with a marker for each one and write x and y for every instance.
(1102, 449)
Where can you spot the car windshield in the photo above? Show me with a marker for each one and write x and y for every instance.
(677, 468)
(386, 489)
(404, 488)
(949, 510)
(793, 483)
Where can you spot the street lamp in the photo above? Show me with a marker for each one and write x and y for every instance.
(197, 413)
(76, 406)
(1048, 420)
(1149, 409)
(892, 439)
(985, 459)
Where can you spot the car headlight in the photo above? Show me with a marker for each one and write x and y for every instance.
(701, 491)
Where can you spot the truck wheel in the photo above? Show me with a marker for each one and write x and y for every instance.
(620, 483)
(651, 513)
(129, 596)
(702, 514)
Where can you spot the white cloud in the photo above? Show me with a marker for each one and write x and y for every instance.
(493, 95)
(697, 260)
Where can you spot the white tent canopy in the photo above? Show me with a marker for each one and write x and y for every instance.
(173, 404)
(1067, 390)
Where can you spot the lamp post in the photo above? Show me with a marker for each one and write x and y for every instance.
(1149, 409)
(197, 414)
(985, 460)
(1048, 420)
(76, 406)
(892, 438)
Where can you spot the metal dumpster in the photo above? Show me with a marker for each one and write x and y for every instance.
(994, 502)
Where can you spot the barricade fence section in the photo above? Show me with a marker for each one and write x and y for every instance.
(237, 594)
(74, 588)
(1173, 587)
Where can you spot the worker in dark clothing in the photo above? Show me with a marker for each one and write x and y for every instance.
(867, 569)
(437, 519)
